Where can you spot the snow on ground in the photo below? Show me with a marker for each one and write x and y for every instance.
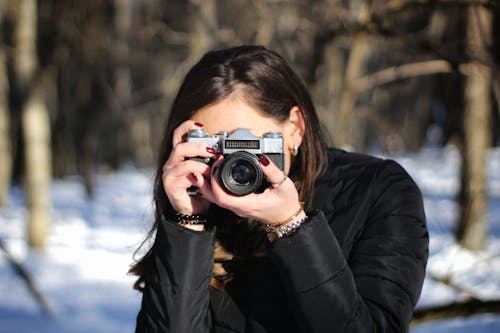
(437, 173)
(83, 271)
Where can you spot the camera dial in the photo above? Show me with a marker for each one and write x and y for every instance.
(198, 133)
(272, 135)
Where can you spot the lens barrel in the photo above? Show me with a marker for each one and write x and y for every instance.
(241, 174)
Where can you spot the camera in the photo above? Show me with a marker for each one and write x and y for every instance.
(241, 173)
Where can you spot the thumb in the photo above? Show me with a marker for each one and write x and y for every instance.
(274, 175)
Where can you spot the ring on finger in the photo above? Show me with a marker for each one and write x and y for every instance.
(281, 181)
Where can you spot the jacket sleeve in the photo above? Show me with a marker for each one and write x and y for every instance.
(176, 293)
(374, 286)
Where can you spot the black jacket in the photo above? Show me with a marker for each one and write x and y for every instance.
(356, 265)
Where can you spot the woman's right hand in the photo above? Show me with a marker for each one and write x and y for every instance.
(180, 173)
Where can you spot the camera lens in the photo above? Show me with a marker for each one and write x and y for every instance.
(243, 173)
(240, 173)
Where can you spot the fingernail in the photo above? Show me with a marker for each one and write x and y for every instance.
(264, 160)
(211, 150)
(198, 124)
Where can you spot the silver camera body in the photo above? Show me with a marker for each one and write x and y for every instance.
(241, 173)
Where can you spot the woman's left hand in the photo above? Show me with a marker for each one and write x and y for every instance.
(273, 206)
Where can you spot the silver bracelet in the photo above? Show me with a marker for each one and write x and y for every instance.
(288, 229)
(284, 230)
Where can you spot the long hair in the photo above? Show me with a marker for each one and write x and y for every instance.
(269, 84)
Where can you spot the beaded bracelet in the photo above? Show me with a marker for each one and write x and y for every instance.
(190, 219)
(183, 219)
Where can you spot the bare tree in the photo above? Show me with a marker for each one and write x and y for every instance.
(138, 127)
(35, 122)
(202, 37)
(265, 28)
(5, 151)
(359, 13)
(473, 224)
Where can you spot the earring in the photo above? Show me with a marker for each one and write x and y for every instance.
(295, 151)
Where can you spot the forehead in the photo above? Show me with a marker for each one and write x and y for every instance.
(232, 113)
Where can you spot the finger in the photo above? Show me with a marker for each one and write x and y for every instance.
(205, 190)
(182, 176)
(223, 198)
(180, 132)
(241, 205)
(274, 175)
(217, 163)
(210, 183)
(188, 167)
(214, 179)
(185, 150)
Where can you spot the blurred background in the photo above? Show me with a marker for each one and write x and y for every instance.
(85, 87)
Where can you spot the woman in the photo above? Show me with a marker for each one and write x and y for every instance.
(351, 259)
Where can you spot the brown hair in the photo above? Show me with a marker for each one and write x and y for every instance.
(272, 86)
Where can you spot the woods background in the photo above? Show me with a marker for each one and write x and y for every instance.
(87, 84)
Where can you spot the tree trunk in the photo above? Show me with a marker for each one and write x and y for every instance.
(359, 13)
(36, 129)
(457, 309)
(5, 146)
(202, 38)
(35, 123)
(5, 151)
(265, 27)
(473, 227)
(357, 55)
(138, 126)
(328, 88)
(122, 82)
(204, 21)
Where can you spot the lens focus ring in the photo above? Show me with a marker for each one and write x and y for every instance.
(241, 174)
